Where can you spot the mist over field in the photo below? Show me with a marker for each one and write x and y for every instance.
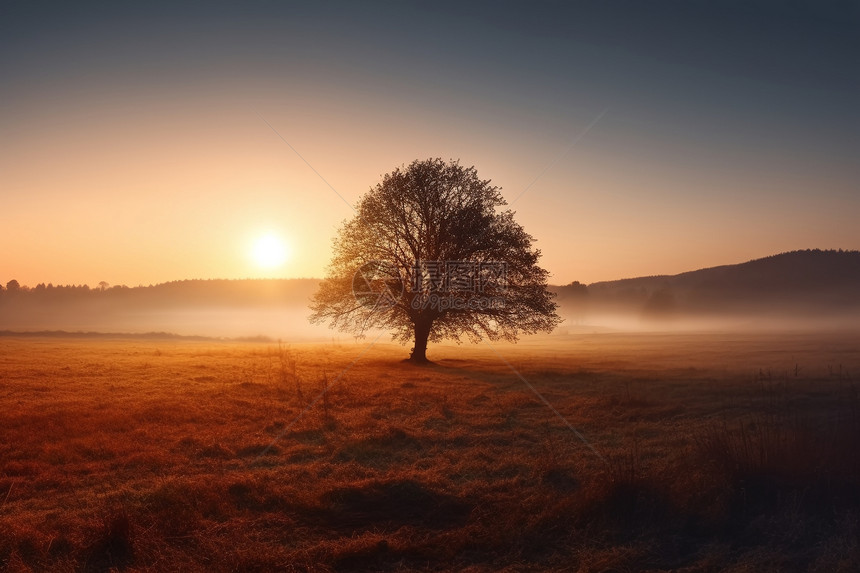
(802, 290)
(212, 308)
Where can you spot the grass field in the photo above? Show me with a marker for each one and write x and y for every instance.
(711, 452)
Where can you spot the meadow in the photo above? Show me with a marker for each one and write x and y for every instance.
(699, 452)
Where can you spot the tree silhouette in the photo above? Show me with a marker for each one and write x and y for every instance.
(13, 286)
(429, 256)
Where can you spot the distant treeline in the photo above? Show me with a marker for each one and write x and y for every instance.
(127, 335)
(263, 292)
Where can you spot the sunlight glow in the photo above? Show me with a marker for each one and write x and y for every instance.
(270, 251)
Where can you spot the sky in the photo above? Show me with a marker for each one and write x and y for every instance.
(148, 142)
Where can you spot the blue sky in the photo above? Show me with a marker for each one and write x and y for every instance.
(133, 148)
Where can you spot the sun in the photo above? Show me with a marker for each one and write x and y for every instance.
(270, 251)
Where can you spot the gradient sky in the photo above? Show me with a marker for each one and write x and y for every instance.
(134, 145)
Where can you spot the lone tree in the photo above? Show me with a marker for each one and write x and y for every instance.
(429, 256)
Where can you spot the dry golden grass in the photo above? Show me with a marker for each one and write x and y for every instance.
(719, 452)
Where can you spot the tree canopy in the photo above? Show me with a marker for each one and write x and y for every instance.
(430, 256)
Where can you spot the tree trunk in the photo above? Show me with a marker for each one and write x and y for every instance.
(422, 333)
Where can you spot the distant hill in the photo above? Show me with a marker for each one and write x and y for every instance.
(804, 282)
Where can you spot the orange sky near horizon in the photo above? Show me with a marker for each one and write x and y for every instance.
(136, 172)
